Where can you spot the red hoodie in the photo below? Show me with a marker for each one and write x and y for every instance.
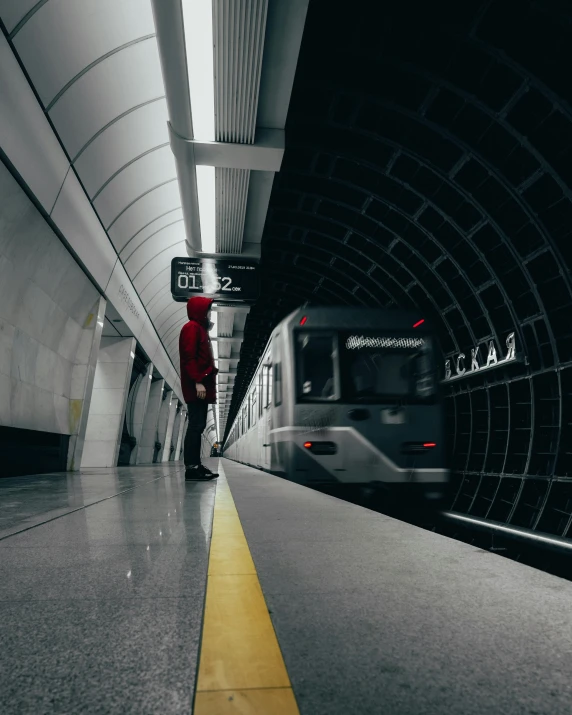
(195, 351)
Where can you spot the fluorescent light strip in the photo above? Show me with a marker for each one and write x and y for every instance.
(213, 330)
(198, 26)
(207, 207)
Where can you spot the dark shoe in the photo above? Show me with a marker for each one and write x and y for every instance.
(196, 474)
(207, 472)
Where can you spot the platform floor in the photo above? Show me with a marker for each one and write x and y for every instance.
(102, 602)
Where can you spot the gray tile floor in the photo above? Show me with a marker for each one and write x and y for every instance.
(28, 501)
(376, 616)
(102, 583)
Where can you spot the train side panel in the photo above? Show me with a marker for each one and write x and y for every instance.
(340, 443)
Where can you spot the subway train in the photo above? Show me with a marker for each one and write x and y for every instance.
(348, 397)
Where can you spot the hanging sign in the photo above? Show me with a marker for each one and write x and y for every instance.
(461, 366)
(226, 280)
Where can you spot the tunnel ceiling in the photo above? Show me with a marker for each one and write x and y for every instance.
(428, 165)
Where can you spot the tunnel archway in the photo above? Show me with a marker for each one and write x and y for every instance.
(427, 166)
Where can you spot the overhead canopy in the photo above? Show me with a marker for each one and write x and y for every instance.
(118, 81)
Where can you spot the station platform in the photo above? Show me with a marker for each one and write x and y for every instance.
(131, 591)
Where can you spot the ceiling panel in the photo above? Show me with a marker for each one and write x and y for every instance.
(155, 168)
(73, 35)
(142, 212)
(173, 327)
(170, 218)
(157, 292)
(159, 262)
(123, 140)
(154, 245)
(118, 83)
(157, 288)
(169, 308)
(12, 11)
(27, 137)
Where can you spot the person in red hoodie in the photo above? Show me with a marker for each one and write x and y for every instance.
(198, 380)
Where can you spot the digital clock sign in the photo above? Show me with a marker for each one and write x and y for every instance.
(226, 280)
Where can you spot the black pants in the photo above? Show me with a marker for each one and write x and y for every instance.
(197, 423)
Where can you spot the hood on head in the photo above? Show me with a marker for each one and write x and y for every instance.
(198, 307)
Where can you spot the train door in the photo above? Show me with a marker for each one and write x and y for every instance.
(259, 419)
(266, 419)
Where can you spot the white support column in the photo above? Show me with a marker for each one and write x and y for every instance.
(150, 422)
(175, 435)
(83, 376)
(172, 400)
(108, 400)
(162, 423)
(140, 410)
(180, 435)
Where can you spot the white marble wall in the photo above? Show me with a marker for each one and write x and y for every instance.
(108, 400)
(34, 150)
(168, 442)
(48, 320)
(139, 409)
(150, 422)
(83, 376)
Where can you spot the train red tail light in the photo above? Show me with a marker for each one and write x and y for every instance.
(322, 448)
(417, 447)
(304, 320)
(419, 322)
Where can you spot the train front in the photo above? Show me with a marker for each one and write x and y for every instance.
(368, 407)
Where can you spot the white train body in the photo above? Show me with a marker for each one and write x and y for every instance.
(346, 396)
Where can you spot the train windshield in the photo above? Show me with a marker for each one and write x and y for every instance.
(364, 367)
(377, 367)
(317, 360)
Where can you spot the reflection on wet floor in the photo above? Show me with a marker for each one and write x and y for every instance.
(102, 587)
(27, 501)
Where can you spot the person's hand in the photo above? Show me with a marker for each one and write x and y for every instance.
(201, 391)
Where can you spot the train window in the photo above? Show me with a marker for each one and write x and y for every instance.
(253, 412)
(260, 391)
(424, 375)
(277, 379)
(316, 362)
(376, 367)
(268, 385)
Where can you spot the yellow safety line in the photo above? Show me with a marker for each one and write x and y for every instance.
(241, 667)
